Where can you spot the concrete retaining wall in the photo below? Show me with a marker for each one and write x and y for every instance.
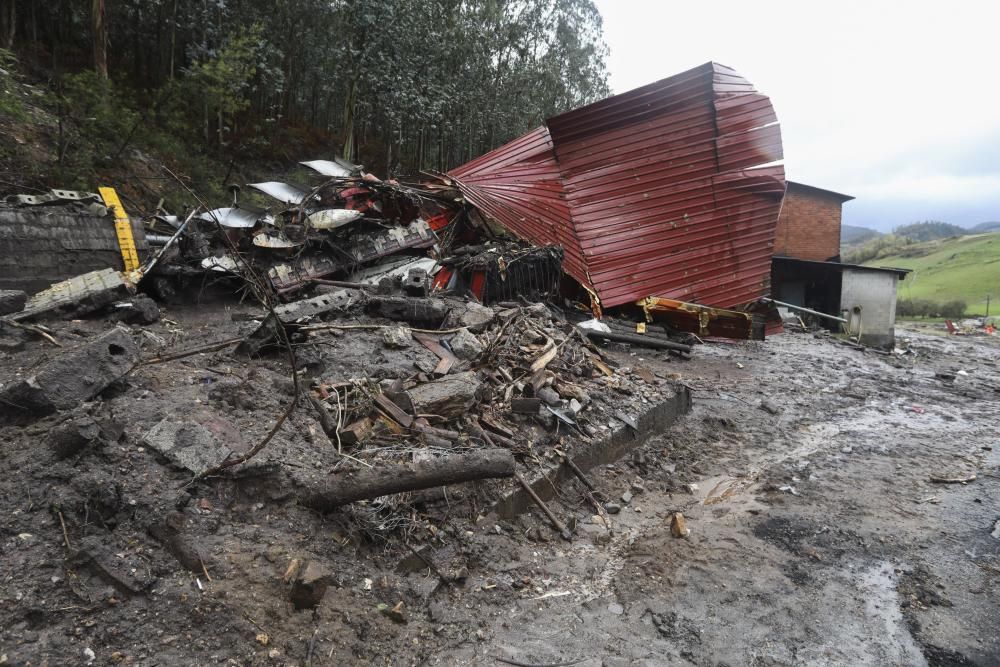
(40, 245)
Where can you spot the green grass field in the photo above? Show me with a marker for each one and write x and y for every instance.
(966, 268)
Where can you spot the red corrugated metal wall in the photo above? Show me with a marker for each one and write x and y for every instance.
(652, 192)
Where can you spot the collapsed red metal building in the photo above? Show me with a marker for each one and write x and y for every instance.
(667, 190)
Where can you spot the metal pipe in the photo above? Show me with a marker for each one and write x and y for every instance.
(810, 311)
(180, 230)
(637, 339)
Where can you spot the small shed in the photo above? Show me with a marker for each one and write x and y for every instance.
(865, 296)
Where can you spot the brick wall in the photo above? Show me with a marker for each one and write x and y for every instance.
(809, 224)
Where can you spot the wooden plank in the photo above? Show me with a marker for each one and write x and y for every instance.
(393, 411)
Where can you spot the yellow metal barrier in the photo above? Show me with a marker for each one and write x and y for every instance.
(123, 228)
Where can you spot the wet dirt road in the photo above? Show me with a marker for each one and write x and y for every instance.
(819, 535)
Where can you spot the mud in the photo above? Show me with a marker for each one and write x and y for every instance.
(816, 535)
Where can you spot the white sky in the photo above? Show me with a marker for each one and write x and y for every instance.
(896, 103)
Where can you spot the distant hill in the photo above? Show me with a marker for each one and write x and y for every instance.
(899, 241)
(984, 227)
(851, 235)
(930, 230)
(964, 268)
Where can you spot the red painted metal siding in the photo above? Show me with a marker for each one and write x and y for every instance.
(654, 192)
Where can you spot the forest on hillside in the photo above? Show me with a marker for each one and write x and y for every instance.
(398, 85)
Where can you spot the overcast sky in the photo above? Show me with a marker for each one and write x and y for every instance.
(896, 103)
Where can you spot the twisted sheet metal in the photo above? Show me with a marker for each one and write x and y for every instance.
(663, 191)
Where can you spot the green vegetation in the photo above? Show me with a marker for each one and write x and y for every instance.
(215, 89)
(907, 308)
(929, 231)
(963, 269)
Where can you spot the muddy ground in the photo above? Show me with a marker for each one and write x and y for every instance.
(803, 470)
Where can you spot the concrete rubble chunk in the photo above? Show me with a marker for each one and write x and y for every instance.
(12, 301)
(417, 282)
(473, 316)
(75, 376)
(549, 395)
(449, 397)
(187, 444)
(465, 345)
(397, 337)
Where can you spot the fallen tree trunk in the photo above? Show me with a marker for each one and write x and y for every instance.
(387, 480)
(637, 339)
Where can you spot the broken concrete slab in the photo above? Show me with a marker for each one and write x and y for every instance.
(77, 296)
(75, 376)
(298, 312)
(12, 301)
(421, 312)
(187, 444)
(450, 396)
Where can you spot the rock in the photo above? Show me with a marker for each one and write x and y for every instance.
(449, 397)
(627, 497)
(612, 508)
(678, 526)
(616, 609)
(549, 395)
(638, 487)
(118, 566)
(769, 407)
(397, 337)
(12, 301)
(309, 586)
(137, 310)
(73, 436)
(187, 445)
(465, 345)
(574, 406)
(168, 532)
(11, 340)
(394, 613)
(75, 376)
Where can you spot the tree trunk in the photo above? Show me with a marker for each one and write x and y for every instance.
(100, 33)
(391, 479)
(8, 21)
(349, 118)
(173, 40)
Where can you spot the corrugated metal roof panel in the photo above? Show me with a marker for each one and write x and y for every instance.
(655, 192)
